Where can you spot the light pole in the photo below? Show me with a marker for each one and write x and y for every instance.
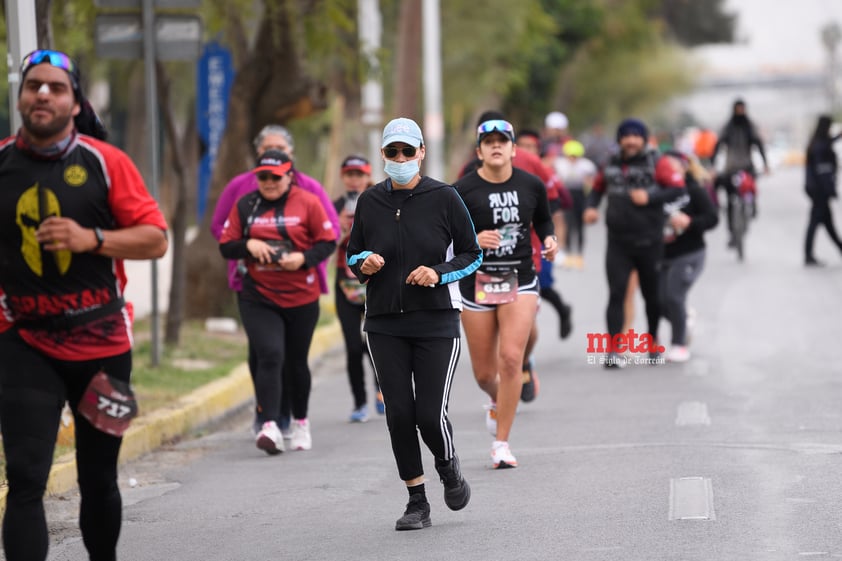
(22, 38)
(831, 35)
(370, 27)
(433, 115)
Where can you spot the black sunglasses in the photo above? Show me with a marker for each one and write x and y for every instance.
(392, 152)
(266, 176)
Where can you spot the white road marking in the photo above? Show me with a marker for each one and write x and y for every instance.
(692, 413)
(697, 367)
(691, 498)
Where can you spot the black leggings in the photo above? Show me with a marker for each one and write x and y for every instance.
(415, 376)
(820, 215)
(33, 390)
(350, 318)
(575, 224)
(620, 260)
(280, 340)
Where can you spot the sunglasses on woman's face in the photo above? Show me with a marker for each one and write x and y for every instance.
(266, 176)
(407, 151)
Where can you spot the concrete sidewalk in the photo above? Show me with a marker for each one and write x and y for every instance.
(199, 408)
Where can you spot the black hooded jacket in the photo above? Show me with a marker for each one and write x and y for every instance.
(428, 225)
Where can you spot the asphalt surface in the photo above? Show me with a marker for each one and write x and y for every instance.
(734, 455)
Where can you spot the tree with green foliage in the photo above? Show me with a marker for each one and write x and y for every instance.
(597, 60)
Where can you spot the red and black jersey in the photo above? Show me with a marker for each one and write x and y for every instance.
(295, 222)
(97, 185)
(5, 316)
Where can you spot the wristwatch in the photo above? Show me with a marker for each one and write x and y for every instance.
(100, 239)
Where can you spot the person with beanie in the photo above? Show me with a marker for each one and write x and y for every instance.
(637, 183)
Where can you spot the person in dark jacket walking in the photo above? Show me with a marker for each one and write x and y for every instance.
(688, 218)
(411, 242)
(638, 184)
(820, 185)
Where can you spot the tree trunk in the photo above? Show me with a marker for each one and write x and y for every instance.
(271, 86)
(179, 217)
(43, 25)
(408, 74)
(136, 143)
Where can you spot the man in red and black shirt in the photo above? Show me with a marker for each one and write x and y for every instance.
(71, 209)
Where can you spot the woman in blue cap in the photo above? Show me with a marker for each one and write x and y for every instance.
(411, 241)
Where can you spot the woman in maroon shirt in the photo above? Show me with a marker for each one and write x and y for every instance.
(281, 233)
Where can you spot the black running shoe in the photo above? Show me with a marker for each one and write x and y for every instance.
(614, 360)
(566, 323)
(457, 492)
(529, 389)
(416, 516)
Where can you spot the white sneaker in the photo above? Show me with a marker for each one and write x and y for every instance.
(491, 418)
(501, 456)
(678, 353)
(301, 439)
(270, 439)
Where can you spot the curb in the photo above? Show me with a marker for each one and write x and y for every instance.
(198, 408)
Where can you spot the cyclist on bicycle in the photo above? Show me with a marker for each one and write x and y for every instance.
(738, 136)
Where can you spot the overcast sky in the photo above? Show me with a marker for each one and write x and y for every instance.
(775, 35)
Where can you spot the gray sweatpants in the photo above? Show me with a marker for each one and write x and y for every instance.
(677, 276)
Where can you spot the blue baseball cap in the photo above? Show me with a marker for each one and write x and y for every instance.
(402, 130)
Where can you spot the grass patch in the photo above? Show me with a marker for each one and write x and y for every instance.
(199, 358)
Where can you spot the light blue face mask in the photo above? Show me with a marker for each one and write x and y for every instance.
(401, 172)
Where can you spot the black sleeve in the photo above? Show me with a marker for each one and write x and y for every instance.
(704, 215)
(339, 204)
(318, 253)
(235, 249)
(597, 190)
(660, 196)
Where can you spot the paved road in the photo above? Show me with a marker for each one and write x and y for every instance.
(734, 455)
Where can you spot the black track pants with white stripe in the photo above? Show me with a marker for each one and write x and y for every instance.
(415, 376)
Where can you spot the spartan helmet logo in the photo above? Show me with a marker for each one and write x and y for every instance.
(29, 214)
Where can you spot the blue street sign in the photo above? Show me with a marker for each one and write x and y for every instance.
(215, 75)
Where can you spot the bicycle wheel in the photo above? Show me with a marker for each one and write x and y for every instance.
(738, 225)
